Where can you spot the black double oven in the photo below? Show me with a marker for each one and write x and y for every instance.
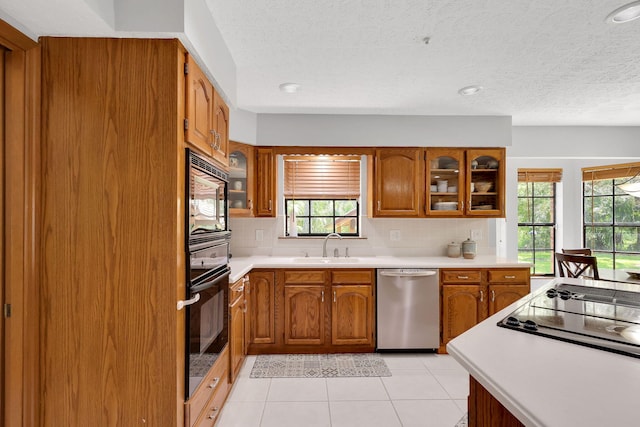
(207, 248)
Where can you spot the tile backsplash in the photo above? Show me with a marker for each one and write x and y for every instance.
(380, 237)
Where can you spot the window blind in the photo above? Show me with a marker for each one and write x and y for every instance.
(322, 177)
(539, 175)
(622, 170)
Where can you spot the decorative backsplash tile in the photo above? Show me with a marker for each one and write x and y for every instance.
(411, 237)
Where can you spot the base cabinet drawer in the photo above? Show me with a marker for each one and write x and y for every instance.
(211, 411)
(210, 394)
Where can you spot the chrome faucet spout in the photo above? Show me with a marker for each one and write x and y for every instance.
(324, 244)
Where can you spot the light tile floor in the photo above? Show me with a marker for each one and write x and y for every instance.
(425, 390)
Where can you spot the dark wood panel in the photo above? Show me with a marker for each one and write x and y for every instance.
(486, 411)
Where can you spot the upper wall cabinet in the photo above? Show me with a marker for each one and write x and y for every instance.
(241, 179)
(265, 181)
(207, 119)
(220, 129)
(399, 182)
(439, 182)
(485, 182)
(445, 186)
(465, 182)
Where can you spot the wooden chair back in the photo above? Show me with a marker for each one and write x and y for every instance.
(581, 251)
(571, 265)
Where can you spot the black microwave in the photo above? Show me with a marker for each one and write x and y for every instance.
(207, 210)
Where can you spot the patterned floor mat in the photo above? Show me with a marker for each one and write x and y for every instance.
(319, 365)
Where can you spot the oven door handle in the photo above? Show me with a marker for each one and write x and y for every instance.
(210, 283)
(183, 303)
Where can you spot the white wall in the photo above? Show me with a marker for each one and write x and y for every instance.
(375, 130)
(243, 126)
(570, 148)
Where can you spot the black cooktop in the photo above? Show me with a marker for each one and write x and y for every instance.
(604, 316)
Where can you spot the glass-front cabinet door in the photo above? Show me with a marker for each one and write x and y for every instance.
(240, 191)
(445, 182)
(485, 182)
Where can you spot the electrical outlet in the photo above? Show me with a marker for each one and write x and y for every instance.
(394, 235)
(476, 235)
(259, 235)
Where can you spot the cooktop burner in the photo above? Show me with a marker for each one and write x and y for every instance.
(604, 316)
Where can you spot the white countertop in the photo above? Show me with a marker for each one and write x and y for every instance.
(242, 265)
(547, 382)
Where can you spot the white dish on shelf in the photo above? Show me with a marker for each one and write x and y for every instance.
(483, 207)
(445, 206)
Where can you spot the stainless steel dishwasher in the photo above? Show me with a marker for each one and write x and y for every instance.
(408, 309)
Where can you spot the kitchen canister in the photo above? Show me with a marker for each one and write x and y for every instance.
(469, 249)
(453, 250)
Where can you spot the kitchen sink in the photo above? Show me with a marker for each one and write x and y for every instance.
(327, 260)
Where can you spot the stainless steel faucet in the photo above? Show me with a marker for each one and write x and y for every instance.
(324, 245)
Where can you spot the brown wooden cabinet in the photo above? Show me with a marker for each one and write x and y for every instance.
(304, 307)
(241, 179)
(207, 119)
(113, 156)
(265, 181)
(485, 410)
(445, 185)
(199, 102)
(237, 326)
(320, 310)
(465, 182)
(471, 295)
(352, 313)
(399, 182)
(485, 182)
(207, 400)
(263, 311)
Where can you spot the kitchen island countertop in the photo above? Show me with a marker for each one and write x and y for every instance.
(547, 382)
(242, 265)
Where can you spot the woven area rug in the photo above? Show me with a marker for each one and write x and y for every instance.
(319, 365)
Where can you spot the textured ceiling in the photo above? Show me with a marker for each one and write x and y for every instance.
(544, 62)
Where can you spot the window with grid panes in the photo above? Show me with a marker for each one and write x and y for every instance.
(537, 219)
(323, 192)
(611, 217)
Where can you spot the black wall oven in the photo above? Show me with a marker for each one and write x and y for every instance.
(207, 248)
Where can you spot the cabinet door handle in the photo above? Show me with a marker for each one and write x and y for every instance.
(322, 296)
(481, 296)
(270, 203)
(463, 277)
(214, 383)
(250, 204)
(379, 204)
(509, 277)
(334, 296)
(493, 295)
(214, 413)
(244, 306)
(183, 303)
(241, 289)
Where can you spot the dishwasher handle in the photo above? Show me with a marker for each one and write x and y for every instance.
(420, 273)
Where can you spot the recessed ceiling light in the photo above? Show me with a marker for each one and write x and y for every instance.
(626, 13)
(289, 87)
(470, 90)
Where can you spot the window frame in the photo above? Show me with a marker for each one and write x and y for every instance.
(553, 225)
(334, 217)
(613, 194)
